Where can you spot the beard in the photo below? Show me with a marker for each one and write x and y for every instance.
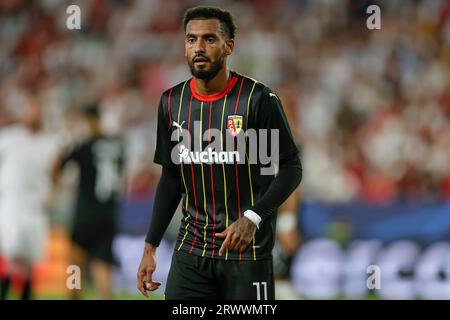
(209, 73)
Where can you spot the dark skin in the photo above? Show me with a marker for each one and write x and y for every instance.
(237, 236)
(206, 45)
(146, 268)
(32, 118)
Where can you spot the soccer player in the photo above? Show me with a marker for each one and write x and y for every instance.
(286, 245)
(229, 202)
(26, 157)
(100, 162)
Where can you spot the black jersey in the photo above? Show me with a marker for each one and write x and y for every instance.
(100, 163)
(219, 183)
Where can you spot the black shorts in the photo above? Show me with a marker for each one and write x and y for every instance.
(193, 277)
(95, 235)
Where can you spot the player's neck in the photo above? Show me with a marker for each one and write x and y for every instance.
(96, 130)
(96, 134)
(33, 128)
(214, 85)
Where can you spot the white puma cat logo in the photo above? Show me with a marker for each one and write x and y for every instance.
(179, 126)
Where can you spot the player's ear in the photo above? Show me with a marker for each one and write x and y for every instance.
(229, 46)
(185, 48)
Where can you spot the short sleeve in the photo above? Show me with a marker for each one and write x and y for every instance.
(164, 144)
(270, 115)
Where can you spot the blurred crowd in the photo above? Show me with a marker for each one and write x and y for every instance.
(370, 108)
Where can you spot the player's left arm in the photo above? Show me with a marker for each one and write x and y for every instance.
(269, 115)
(60, 162)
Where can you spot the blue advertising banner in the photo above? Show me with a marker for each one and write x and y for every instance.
(425, 223)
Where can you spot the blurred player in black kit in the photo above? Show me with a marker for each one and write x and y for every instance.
(100, 161)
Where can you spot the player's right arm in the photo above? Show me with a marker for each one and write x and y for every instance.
(166, 201)
(167, 198)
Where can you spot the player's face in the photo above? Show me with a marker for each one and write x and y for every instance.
(206, 47)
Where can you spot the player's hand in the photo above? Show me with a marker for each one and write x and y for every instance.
(238, 235)
(146, 268)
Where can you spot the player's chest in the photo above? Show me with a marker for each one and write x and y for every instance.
(28, 152)
(206, 120)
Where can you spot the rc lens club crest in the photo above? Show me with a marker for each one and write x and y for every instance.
(234, 124)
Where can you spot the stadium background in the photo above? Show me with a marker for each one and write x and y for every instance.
(371, 109)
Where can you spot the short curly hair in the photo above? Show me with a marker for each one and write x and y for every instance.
(201, 12)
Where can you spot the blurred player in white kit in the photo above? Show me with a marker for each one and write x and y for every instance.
(26, 157)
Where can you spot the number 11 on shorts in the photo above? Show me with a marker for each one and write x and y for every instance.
(258, 289)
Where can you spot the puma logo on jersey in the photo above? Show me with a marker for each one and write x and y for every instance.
(179, 126)
(273, 95)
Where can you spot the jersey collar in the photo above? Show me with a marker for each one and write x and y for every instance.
(215, 96)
